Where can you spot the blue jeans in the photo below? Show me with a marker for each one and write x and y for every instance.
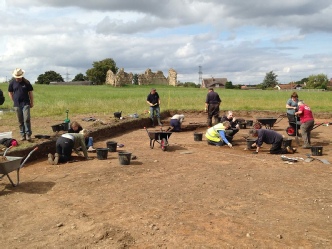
(89, 142)
(23, 116)
(155, 109)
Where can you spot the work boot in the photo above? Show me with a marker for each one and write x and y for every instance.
(50, 159)
(159, 123)
(56, 159)
(29, 138)
(23, 138)
(152, 122)
(289, 150)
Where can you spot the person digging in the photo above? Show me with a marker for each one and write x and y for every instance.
(269, 137)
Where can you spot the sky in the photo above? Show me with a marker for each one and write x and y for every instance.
(237, 40)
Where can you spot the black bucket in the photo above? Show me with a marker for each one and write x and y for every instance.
(198, 136)
(65, 126)
(124, 158)
(58, 127)
(286, 142)
(317, 150)
(249, 143)
(249, 123)
(102, 153)
(117, 114)
(111, 145)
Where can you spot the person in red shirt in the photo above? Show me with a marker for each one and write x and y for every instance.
(307, 123)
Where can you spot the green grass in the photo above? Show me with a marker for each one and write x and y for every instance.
(53, 100)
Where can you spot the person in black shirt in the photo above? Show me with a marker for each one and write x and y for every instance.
(234, 126)
(212, 103)
(153, 100)
(75, 127)
(20, 92)
(270, 137)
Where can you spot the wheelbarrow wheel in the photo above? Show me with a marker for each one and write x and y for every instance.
(290, 131)
(163, 144)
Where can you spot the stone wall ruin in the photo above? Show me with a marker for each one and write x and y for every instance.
(147, 78)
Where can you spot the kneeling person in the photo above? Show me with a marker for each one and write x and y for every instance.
(270, 137)
(176, 122)
(216, 134)
(66, 144)
(234, 126)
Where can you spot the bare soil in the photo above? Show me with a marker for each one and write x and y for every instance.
(190, 196)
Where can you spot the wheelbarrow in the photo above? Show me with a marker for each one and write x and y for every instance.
(269, 122)
(11, 163)
(160, 137)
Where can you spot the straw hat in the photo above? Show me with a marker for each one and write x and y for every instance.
(18, 73)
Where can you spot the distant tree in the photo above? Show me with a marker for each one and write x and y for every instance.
(270, 80)
(135, 79)
(190, 84)
(80, 77)
(229, 85)
(98, 73)
(49, 76)
(318, 81)
(303, 81)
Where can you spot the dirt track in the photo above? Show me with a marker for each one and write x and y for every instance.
(191, 196)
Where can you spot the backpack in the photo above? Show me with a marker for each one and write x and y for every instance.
(8, 142)
(2, 98)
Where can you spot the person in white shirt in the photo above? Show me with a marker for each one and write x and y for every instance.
(176, 122)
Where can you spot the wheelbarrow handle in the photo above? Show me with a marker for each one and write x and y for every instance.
(27, 157)
(4, 154)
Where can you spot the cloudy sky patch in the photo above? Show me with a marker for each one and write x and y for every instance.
(241, 41)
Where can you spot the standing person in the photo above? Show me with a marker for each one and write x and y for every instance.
(212, 103)
(307, 123)
(176, 122)
(66, 144)
(234, 126)
(75, 127)
(20, 92)
(270, 137)
(292, 107)
(153, 100)
(216, 135)
(292, 104)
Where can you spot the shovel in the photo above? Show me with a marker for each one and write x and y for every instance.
(296, 137)
(310, 158)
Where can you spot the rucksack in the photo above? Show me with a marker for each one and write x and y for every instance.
(8, 142)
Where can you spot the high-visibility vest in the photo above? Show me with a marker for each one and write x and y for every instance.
(213, 132)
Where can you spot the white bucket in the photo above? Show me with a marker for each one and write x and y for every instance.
(7, 134)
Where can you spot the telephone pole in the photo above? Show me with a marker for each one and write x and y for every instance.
(200, 73)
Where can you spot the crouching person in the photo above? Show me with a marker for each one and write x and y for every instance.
(269, 137)
(66, 144)
(216, 134)
(176, 122)
(234, 126)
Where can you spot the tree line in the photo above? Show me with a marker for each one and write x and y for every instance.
(97, 75)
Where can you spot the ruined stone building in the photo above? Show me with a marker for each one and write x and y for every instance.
(147, 78)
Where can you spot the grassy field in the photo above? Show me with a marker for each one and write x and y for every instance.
(53, 100)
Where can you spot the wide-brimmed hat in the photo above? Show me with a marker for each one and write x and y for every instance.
(18, 73)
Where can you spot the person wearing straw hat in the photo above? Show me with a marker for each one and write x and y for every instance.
(21, 93)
